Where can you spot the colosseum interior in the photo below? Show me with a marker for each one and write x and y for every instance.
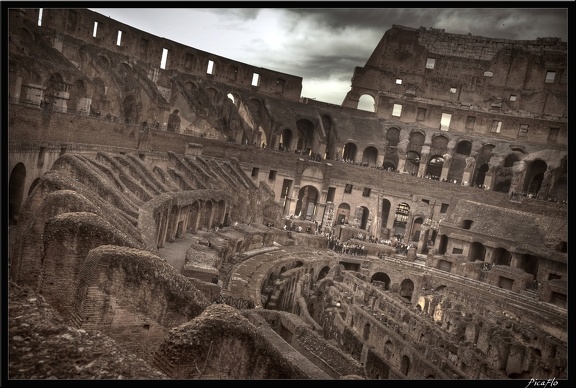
(169, 222)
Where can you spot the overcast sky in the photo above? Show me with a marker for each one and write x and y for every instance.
(323, 45)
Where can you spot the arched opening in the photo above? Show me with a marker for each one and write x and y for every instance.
(412, 162)
(381, 279)
(443, 244)
(529, 263)
(477, 252)
(510, 160)
(392, 137)
(323, 272)
(434, 168)
(501, 256)
(384, 215)
(388, 349)
(307, 201)
(305, 136)
(406, 289)
(389, 165)
(370, 156)
(366, 102)
(464, 148)
(33, 185)
(366, 332)
(534, 176)
(342, 214)
(416, 141)
(416, 228)
(16, 192)
(349, 152)
(400, 219)
(130, 110)
(55, 93)
(405, 368)
(99, 103)
(482, 170)
(330, 138)
(364, 217)
(285, 140)
(77, 100)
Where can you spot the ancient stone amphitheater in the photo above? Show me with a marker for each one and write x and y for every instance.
(169, 222)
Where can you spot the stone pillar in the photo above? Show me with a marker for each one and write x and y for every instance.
(401, 163)
(488, 257)
(422, 239)
(423, 162)
(294, 200)
(15, 87)
(515, 259)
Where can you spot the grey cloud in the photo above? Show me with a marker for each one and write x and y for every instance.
(523, 24)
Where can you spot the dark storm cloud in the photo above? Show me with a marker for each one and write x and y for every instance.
(507, 23)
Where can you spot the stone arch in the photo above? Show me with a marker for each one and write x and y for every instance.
(501, 256)
(77, 98)
(405, 365)
(476, 252)
(285, 140)
(366, 331)
(529, 263)
(364, 217)
(306, 132)
(381, 279)
(434, 167)
(416, 228)
(464, 147)
(55, 89)
(370, 156)
(385, 213)
(308, 198)
(534, 176)
(33, 185)
(457, 168)
(206, 220)
(481, 174)
(393, 136)
(416, 141)
(366, 102)
(191, 88)
(388, 349)
(406, 289)
(328, 125)
(16, 184)
(213, 94)
(390, 161)
(401, 218)
(349, 151)
(559, 189)
(323, 272)
(511, 159)
(234, 98)
(440, 142)
(99, 102)
(443, 244)
(342, 214)
(130, 109)
(103, 61)
(412, 162)
(193, 217)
